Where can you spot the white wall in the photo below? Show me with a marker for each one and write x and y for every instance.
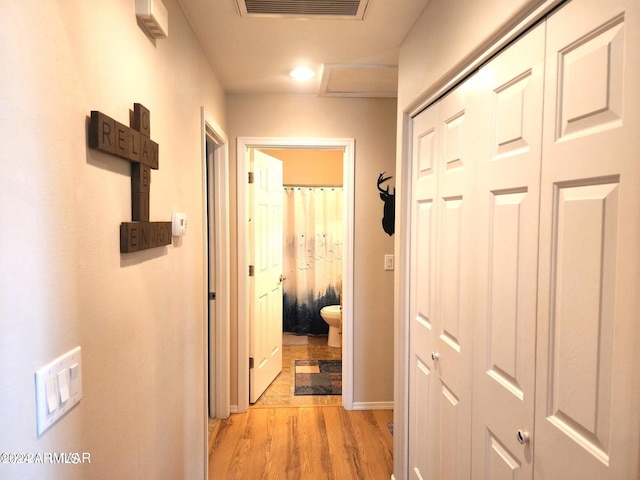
(447, 35)
(138, 317)
(372, 123)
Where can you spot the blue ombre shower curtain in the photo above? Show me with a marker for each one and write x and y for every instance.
(312, 256)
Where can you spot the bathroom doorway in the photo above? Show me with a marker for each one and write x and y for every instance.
(346, 147)
(313, 229)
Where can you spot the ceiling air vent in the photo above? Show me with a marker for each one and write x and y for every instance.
(347, 9)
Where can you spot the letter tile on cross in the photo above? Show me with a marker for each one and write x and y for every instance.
(148, 158)
(140, 191)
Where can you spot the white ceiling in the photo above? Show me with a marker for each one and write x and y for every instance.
(254, 54)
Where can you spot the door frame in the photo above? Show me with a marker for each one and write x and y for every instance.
(348, 169)
(217, 366)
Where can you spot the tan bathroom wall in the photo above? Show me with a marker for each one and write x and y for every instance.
(309, 167)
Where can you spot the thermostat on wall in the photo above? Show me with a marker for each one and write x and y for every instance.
(178, 224)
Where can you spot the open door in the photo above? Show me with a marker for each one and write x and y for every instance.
(265, 271)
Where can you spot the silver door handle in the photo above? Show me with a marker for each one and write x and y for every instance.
(435, 356)
(522, 436)
(282, 278)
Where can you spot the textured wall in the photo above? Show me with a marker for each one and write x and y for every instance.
(139, 318)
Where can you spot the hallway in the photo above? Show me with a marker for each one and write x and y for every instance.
(283, 436)
(302, 443)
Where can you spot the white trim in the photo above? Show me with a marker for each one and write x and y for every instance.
(466, 67)
(348, 145)
(495, 44)
(220, 362)
(401, 302)
(373, 405)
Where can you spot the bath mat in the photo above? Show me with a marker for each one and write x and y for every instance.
(318, 377)
(292, 339)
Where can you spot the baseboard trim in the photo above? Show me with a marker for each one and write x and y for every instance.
(356, 406)
(372, 405)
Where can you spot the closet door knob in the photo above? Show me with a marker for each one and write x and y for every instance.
(523, 436)
(435, 356)
(282, 278)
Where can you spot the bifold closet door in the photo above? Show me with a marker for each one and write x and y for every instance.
(441, 293)
(508, 104)
(423, 444)
(587, 404)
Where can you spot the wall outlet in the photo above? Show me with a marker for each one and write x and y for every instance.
(58, 388)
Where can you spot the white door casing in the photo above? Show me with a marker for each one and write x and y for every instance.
(265, 283)
(216, 271)
(244, 146)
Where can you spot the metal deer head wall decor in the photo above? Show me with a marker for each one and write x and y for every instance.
(389, 199)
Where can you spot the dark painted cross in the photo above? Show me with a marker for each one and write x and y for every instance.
(134, 144)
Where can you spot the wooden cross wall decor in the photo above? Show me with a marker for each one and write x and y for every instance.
(134, 144)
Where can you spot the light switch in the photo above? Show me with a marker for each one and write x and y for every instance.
(58, 388)
(74, 379)
(52, 395)
(63, 385)
(388, 262)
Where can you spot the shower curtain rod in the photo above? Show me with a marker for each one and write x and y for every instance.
(292, 185)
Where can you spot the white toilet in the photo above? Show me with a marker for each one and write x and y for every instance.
(332, 314)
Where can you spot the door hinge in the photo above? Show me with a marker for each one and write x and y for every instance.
(212, 295)
(250, 177)
(250, 363)
(251, 270)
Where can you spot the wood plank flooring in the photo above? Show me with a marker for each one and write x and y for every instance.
(287, 437)
(302, 443)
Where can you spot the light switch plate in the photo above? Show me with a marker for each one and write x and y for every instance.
(58, 388)
(389, 263)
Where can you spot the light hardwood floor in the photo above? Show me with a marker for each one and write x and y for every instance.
(290, 437)
(302, 443)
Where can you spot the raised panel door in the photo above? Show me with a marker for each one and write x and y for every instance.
(508, 101)
(588, 402)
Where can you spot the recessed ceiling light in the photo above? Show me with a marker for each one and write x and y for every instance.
(302, 73)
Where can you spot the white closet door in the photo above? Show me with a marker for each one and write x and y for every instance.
(509, 103)
(587, 407)
(423, 381)
(454, 285)
(441, 274)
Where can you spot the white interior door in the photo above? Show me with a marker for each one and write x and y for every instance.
(509, 101)
(265, 284)
(587, 407)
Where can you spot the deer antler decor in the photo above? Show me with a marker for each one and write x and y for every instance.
(389, 199)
